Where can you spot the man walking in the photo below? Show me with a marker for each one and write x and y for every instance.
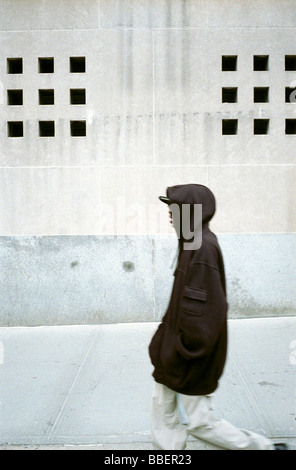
(188, 350)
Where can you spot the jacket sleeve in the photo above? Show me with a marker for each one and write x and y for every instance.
(203, 310)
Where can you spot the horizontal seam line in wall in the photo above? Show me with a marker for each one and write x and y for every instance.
(155, 28)
(154, 166)
(162, 235)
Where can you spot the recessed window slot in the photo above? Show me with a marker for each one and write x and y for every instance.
(15, 97)
(229, 126)
(261, 126)
(77, 64)
(229, 63)
(78, 128)
(46, 129)
(46, 64)
(15, 129)
(15, 66)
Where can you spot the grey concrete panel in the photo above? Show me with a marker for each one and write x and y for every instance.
(119, 105)
(260, 273)
(33, 14)
(76, 280)
(50, 200)
(153, 14)
(149, 92)
(258, 14)
(197, 14)
(254, 199)
(188, 96)
(86, 280)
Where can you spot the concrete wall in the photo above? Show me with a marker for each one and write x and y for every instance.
(75, 209)
(93, 279)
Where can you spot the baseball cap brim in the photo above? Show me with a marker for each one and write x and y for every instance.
(164, 199)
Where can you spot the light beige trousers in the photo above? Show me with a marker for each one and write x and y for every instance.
(170, 410)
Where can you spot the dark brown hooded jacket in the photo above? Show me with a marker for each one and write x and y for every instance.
(188, 350)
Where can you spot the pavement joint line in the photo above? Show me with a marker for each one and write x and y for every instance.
(57, 420)
(250, 395)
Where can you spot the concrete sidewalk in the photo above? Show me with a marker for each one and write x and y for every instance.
(89, 387)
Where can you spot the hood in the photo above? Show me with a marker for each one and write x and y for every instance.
(191, 194)
(194, 194)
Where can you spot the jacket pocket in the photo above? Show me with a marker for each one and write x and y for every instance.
(195, 293)
(165, 356)
(193, 300)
